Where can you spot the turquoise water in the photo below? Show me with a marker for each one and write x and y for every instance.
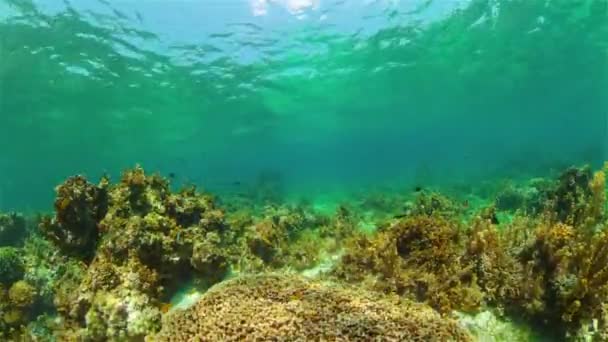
(352, 148)
(326, 95)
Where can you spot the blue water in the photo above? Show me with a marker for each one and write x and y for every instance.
(330, 95)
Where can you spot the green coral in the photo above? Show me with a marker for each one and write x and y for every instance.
(11, 265)
(21, 295)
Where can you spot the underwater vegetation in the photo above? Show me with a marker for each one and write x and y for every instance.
(549, 267)
(108, 263)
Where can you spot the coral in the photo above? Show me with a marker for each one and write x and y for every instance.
(510, 199)
(12, 229)
(579, 198)
(114, 255)
(417, 257)
(79, 206)
(45, 267)
(342, 225)
(16, 307)
(120, 316)
(550, 268)
(498, 273)
(279, 307)
(434, 204)
(21, 295)
(150, 240)
(11, 265)
(566, 276)
(291, 237)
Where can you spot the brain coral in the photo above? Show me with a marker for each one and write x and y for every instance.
(291, 308)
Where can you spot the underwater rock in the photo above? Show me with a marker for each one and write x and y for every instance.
(487, 326)
(79, 206)
(12, 229)
(282, 307)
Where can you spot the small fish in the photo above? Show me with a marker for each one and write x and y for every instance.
(236, 183)
(418, 189)
(399, 216)
(172, 175)
(165, 307)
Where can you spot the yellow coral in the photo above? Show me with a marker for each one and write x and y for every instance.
(290, 308)
(597, 203)
(21, 294)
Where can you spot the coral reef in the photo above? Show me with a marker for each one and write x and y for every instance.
(434, 204)
(12, 229)
(112, 258)
(510, 199)
(79, 206)
(549, 267)
(11, 265)
(20, 298)
(291, 237)
(418, 257)
(148, 240)
(280, 307)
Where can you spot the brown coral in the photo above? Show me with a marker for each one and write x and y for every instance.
(79, 206)
(418, 257)
(150, 241)
(288, 237)
(579, 198)
(279, 307)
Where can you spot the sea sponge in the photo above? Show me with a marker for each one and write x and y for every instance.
(283, 307)
(11, 265)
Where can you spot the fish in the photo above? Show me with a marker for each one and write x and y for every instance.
(417, 188)
(165, 307)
